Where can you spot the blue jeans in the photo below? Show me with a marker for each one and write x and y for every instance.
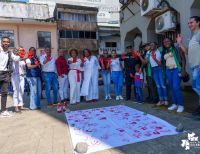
(174, 82)
(106, 82)
(50, 79)
(139, 94)
(118, 80)
(35, 90)
(160, 83)
(196, 81)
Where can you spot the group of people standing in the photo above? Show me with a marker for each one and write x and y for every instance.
(70, 78)
(77, 76)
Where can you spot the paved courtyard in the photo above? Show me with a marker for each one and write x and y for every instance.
(46, 132)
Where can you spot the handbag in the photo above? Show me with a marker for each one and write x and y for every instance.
(185, 78)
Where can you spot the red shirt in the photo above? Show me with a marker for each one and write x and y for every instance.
(105, 62)
(61, 65)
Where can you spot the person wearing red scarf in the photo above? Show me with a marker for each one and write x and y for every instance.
(105, 61)
(18, 79)
(74, 76)
(62, 70)
(48, 63)
(33, 76)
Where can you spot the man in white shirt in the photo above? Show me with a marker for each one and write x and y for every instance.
(6, 58)
(193, 52)
(49, 76)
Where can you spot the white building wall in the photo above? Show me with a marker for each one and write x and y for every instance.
(144, 24)
(137, 21)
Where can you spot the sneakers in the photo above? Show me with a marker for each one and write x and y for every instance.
(160, 103)
(59, 108)
(180, 109)
(173, 107)
(117, 98)
(106, 98)
(64, 107)
(6, 114)
(121, 98)
(166, 103)
(109, 97)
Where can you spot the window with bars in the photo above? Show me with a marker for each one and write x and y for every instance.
(77, 17)
(77, 34)
(44, 39)
(111, 44)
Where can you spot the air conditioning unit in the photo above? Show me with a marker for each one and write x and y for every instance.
(166, 22)
(148, 7)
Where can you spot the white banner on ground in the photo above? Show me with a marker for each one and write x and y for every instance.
(110, 127)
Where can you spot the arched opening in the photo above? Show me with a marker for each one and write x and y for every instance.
(151, 34)
(134, 38)
(195, 9)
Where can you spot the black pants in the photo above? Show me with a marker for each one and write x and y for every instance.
(129, 83)
(4, 92)
(152, 88)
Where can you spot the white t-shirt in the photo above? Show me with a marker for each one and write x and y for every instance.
(4, 59)
(49, 66)
(152, 61)
(140, 75)
(115, 65)
(194, 50)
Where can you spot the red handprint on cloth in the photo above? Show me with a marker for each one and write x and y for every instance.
(121, 130)
(103, 118)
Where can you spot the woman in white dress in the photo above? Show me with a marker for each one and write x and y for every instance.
(74, 76)
(91, 68)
